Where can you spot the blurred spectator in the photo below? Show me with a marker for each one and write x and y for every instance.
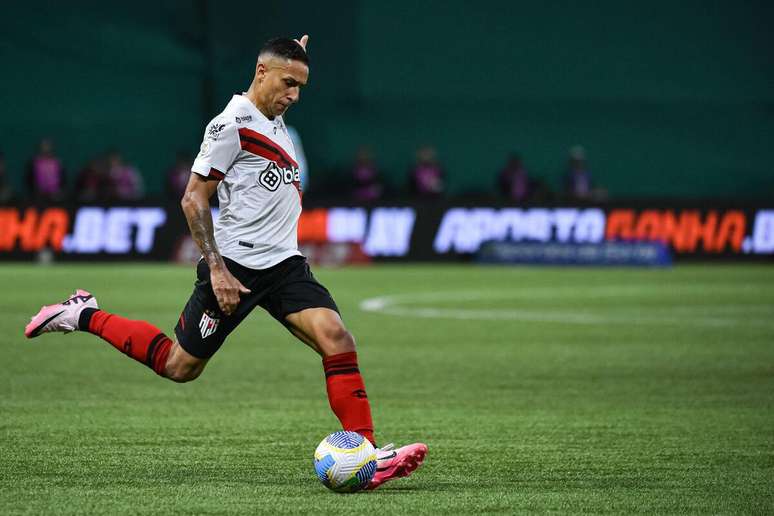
(427, 174)
(513, 179)
(367, 185)
(93, 183)
(178, 175)
(578, 180)
(5, 189)
(45, 174)
(125, 181)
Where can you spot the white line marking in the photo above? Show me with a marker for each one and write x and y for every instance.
(698, 314)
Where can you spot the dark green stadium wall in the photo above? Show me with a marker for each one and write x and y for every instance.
(93, 75)
(670, 100)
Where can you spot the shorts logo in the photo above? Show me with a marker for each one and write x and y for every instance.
(272, 176)
(208, 325)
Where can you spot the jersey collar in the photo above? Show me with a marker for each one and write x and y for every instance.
(277, 122)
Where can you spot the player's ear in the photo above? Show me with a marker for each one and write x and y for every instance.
(260, 71)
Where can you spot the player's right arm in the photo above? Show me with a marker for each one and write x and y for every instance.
(217, 155)
(196, 207)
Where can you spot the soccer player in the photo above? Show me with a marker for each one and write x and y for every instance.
(250, 257)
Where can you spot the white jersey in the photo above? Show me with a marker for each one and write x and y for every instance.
(260, 189)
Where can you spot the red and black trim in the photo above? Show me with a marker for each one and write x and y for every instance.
(256, 143)
(344, 363)
(150, 355)
(216, 174)
(84, 320)
(261, 145)
(349, 370)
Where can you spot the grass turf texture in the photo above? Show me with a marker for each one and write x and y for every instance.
(658, 397)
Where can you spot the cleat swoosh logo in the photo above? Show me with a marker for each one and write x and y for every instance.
(42, 325)
(387, 457)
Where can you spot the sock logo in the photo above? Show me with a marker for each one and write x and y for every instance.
(360, 393)
(208, 325)
(127, 345)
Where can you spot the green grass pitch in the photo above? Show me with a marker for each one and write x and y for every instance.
(536, 389)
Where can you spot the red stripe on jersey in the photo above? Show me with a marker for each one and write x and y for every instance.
(261, 151)
(216, 174)
(245, 133)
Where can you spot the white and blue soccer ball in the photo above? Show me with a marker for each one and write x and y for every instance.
(345, 462)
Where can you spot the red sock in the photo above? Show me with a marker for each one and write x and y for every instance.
(347, 395)
(138, 339)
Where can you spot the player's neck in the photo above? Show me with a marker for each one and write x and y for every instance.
(252, 96)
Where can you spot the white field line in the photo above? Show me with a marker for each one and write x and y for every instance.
(401, 305)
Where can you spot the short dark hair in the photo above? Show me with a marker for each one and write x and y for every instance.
(287, 48)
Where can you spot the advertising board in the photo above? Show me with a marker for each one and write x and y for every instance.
(411, 232)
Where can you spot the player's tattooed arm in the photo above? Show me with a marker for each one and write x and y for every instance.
(196, 206)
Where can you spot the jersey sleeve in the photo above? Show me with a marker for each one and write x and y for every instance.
(220, 148)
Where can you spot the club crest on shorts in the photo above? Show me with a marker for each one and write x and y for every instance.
(208, 325)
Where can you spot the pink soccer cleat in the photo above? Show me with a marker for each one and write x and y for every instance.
(391, 463)
(61, 316)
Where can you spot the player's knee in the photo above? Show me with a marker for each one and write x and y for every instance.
(182, 367)
(336, 339)
(182, 374)
(182, 371)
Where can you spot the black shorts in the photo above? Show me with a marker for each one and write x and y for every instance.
(283, 289)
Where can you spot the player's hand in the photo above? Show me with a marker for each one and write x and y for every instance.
(304, 39)
(227, 290)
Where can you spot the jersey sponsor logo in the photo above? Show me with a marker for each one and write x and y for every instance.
(243, 119)
(208, 325)
(261, 145)
(213, 132)
(272, 176)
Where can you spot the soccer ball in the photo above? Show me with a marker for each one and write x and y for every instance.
(345, 462)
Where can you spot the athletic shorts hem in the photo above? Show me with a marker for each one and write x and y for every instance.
(285, 288)
(284, 313)
(181, 338)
